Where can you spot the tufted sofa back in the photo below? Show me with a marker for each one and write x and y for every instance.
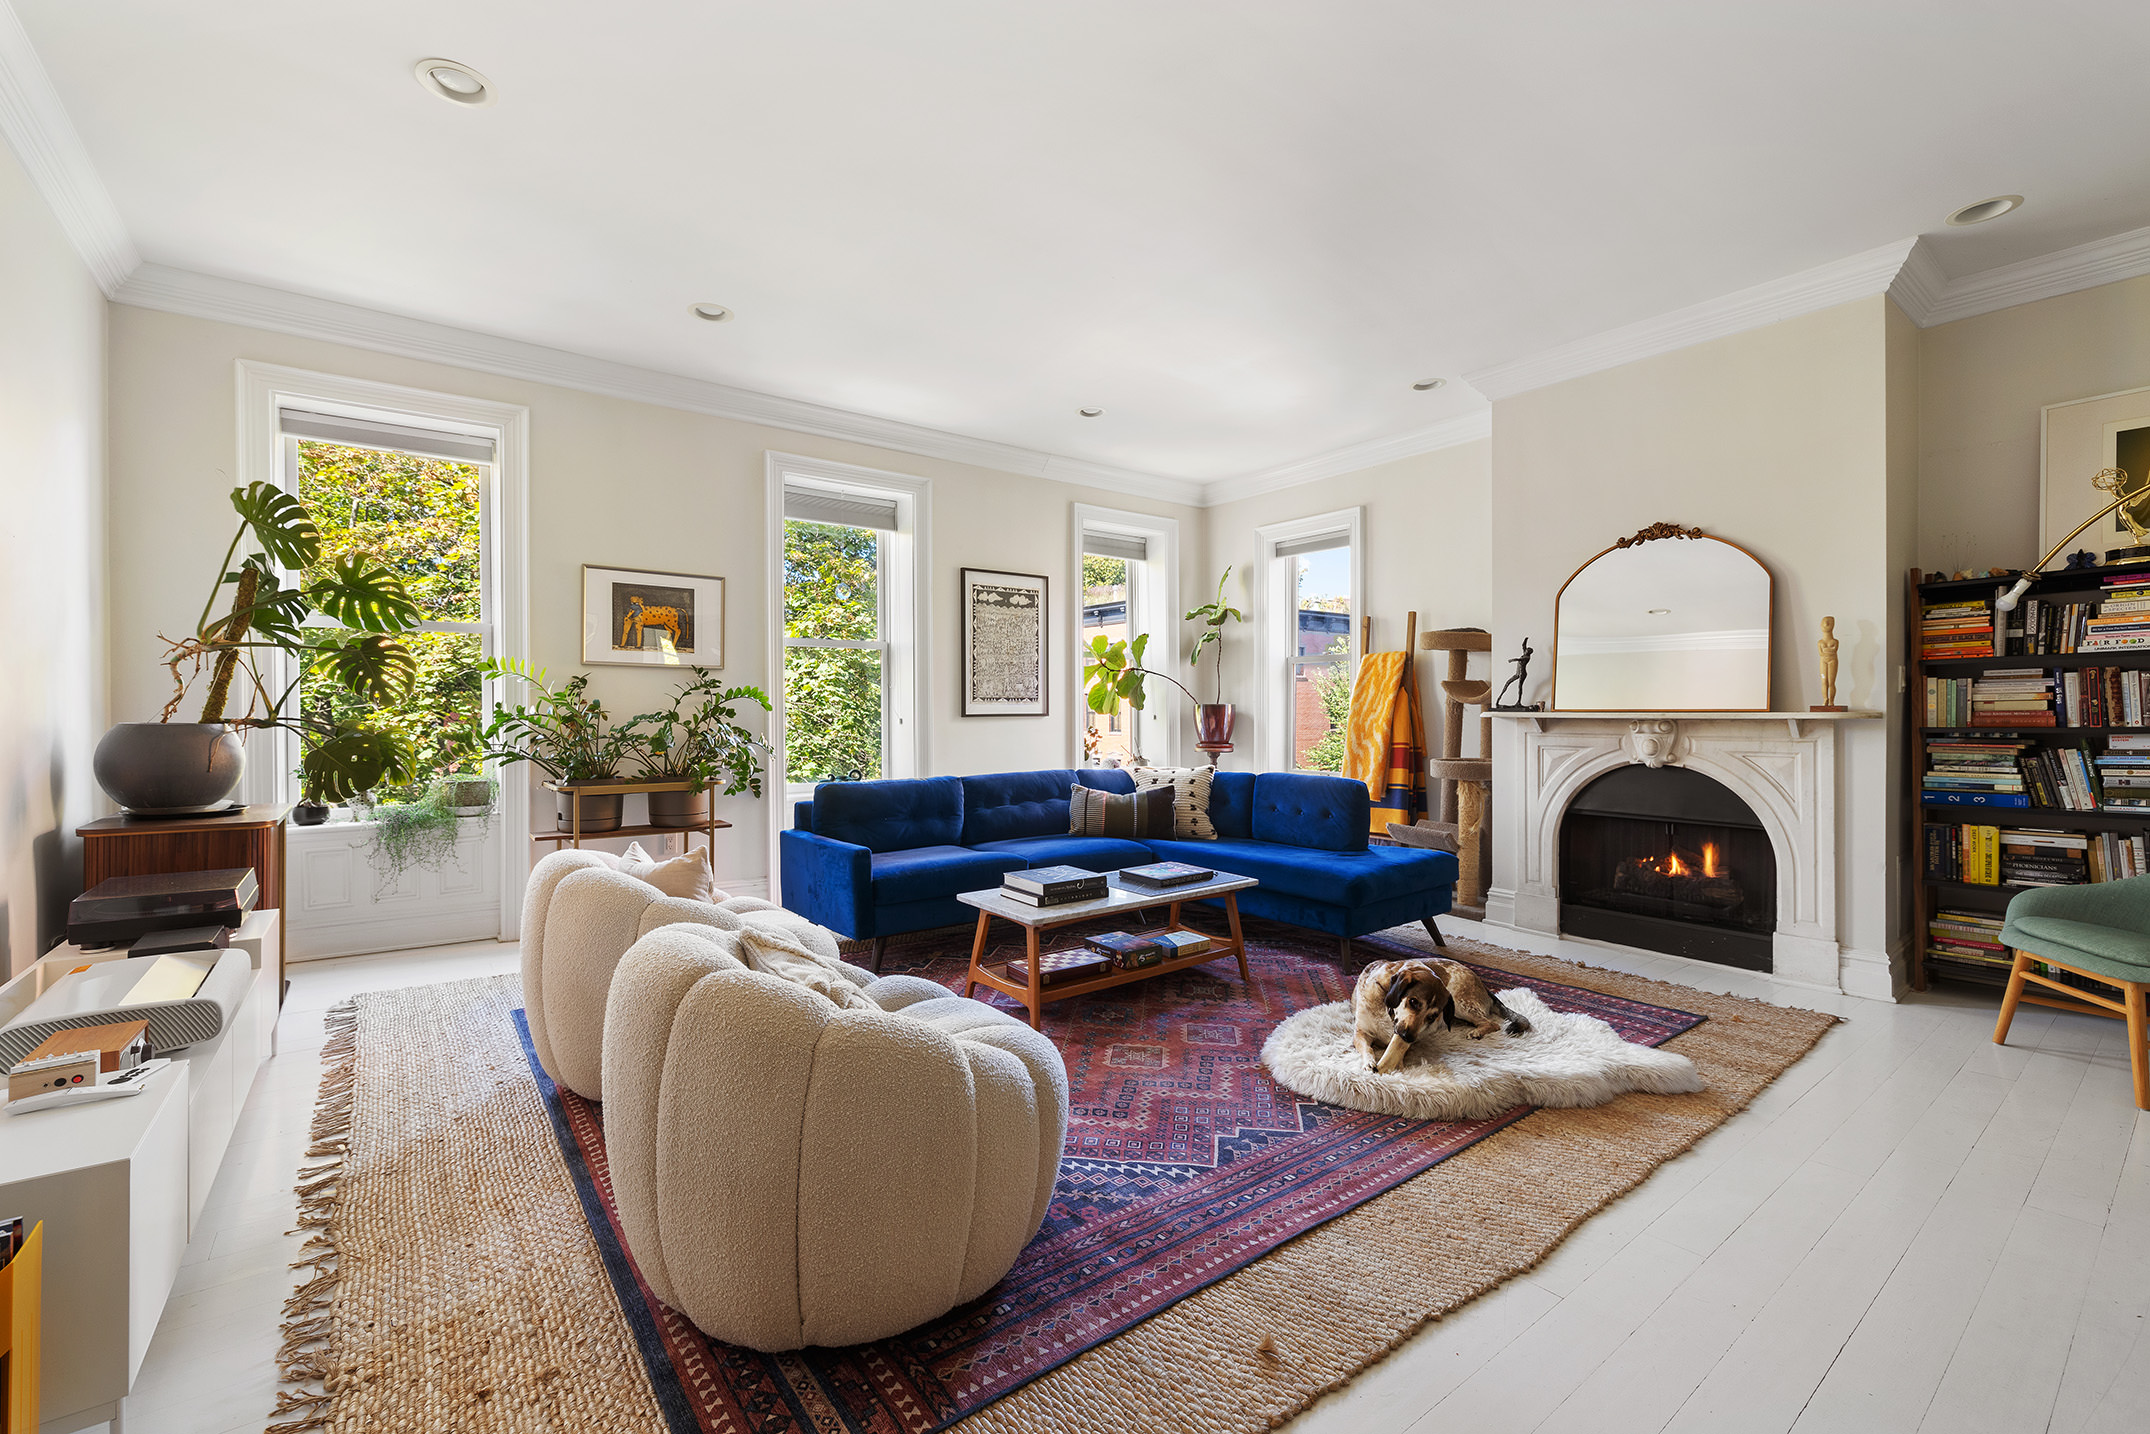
(1007, 806)
(894, 815)
(1303, 809)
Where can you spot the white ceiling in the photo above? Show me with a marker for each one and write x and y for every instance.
(1241, 227)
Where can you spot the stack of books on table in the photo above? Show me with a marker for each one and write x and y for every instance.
(1956, 629)
(2123, 618)
(1974, 772)
(2043, 858)
(1131, 952)
(1973, 936)
(1053, 885)
(2013, 697)
(2124, 772)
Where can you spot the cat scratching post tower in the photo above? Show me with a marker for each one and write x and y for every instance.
(1466, 782)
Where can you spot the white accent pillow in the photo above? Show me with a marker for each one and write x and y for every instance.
(687, 875)
(1190, 798)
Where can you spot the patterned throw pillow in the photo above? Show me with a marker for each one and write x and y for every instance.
(1190, 798)
(1093, 813)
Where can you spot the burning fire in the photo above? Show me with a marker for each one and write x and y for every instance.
(1672, 865)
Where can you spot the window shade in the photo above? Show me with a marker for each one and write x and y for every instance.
(819, 505)
(1322, 543)
(1116, 545)
(370, 433)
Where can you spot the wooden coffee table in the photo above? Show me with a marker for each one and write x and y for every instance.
(1119, 897)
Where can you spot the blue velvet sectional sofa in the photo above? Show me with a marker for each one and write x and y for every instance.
(877, 859)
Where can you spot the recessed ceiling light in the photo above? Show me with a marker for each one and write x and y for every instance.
(1091, 412)
(1425, 384)
(715, 313)
(456, 83)
(1985, 209)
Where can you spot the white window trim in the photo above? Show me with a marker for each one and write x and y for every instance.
(905, 565)
(1164, 718)
(262, 390)
(1274, 601)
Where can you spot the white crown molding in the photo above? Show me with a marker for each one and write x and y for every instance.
(1920, 284)
(44, 139)
(1803, 293)
(1467, 428)
(234, 301)
(2086, 266)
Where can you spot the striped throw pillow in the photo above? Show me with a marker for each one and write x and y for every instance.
(1190, 798)
(1093, 813)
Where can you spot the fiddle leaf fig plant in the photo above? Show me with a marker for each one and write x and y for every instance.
(1112, 673)
(1213, 616)
(365, 607)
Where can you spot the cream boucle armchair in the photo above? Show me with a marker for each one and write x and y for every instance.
(580, 914)
(793, 1170)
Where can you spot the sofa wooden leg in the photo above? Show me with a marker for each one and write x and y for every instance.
(880, 949)
(1343, 951)
(1434, 931)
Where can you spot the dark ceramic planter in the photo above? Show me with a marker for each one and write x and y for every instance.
(599, 813)
(169, 769)
(678, 809)
(310, 814)
(1213, 726)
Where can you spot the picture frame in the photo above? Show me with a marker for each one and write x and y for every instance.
(2076, 440)
(1006, 629)
(640, 617)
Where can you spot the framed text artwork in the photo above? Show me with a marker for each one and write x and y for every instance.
(1004, 644)
(633, 618)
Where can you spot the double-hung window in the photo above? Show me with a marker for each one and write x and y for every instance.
(1310, 616)
(1130, 586)
(415, 498)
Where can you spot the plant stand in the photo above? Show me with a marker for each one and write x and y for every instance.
(578, 790)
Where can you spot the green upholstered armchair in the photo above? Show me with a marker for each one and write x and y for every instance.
(2101, 931)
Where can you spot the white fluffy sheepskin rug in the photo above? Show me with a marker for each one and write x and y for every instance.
(1563, 1060)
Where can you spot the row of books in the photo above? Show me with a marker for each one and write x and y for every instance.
(2123, 618)
(1974, 938)
(1110, 951)
(1997, 771)
(2031, 697)
(1066, 885)
(2022, 856)
(1955, 629)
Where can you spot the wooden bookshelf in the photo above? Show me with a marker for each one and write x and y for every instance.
(1929, 893)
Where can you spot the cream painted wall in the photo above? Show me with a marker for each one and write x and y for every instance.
(1982, 383)
(612, 481)
(1427, 520)
(1777, 439)
(52, 592)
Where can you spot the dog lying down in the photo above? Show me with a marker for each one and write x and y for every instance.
(1399, 1001)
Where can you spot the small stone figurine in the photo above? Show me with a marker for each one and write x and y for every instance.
(1522, 668)
(1827, 648)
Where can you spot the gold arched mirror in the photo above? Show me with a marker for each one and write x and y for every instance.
(1670, 620)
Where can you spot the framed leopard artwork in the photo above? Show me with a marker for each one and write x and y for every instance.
(636, 618)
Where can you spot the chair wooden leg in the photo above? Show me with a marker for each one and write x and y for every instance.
(1434, 931)
(2134, 993)
(880, 949)
(2010, 1000)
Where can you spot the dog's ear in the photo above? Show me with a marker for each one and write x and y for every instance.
(1399, 986)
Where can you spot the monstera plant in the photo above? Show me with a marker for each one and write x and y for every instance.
(332, 623)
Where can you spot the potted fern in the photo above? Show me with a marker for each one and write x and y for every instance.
(168, 767)
(700, 743)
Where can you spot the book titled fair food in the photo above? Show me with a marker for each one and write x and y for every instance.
(1165, 873)
(1055, 880)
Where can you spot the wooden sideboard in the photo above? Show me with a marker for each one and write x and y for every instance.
(150, 846)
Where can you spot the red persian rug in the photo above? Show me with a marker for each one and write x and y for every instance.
(1185, 1162)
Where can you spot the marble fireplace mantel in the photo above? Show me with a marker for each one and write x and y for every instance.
(1783, 765)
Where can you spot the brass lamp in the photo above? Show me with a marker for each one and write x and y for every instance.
(2131, 499)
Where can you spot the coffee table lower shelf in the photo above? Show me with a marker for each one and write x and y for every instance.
(1035, 996)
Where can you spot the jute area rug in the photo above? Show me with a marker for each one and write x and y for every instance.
(453, 1281)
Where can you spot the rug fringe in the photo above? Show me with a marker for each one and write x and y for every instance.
(307, 1321)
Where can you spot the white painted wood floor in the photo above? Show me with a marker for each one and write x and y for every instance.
(1912, 1230)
